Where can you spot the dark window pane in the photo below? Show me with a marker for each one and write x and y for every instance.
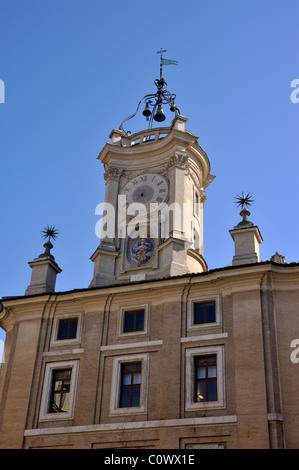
(204, 312)
(205, 386)
(67, 328)
(133, 321)
(129, 322)
(125, 398)
(210, 312)
(130, 384)
(199, 313)
(63, 329)
(212, 390)
(135, 396)
(139, 320)
(73, 329)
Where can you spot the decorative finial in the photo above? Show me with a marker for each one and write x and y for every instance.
(156, 100)
(277, 258)
(49, 232)
(244, 201)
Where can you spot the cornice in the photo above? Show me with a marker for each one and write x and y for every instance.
(154, 153)
(7, 319)
(232, 273)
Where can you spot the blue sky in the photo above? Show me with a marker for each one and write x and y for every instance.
(74, 69)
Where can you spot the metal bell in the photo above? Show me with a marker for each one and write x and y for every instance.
(147, 112)
(173, 107)
(159, 116)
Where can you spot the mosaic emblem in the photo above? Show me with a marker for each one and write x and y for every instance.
(139, 251)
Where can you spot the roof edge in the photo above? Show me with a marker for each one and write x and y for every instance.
(146, 281)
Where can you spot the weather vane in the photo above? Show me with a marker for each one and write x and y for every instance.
(153, 102)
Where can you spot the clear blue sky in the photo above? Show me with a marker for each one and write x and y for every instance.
(73, 69)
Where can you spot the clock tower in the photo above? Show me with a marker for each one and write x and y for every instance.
(152, 224)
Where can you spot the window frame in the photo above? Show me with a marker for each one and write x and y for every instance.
(132, 385)
(204, 299)
(133, 312)
(118, 361)
(191, 353)
(56, 324)
(121, 320)
(206, 380)
(50, 367)
(204, 303)
(61, 391)
(68, 320)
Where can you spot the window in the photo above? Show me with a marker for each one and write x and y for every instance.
(59, 390)
(205, 378)
(204, 312)
(133, 321)
(130, 384)
(196, 211)
(67, 328)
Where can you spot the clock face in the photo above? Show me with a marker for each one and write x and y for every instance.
(146, 189)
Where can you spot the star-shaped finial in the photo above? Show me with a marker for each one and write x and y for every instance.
(50, 231)
(244, 201)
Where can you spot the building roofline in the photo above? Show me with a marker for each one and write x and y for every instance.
(147, 281)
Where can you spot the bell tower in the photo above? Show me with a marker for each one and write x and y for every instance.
(152, 224)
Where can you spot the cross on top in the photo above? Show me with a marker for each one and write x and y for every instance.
(161, 51)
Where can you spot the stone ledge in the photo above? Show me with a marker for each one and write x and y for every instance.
(133, 425)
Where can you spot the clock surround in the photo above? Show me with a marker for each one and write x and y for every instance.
(171, 155)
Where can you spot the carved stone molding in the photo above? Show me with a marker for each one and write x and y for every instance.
(193, 175)
(179, 160)
(203, 197)
(113, 173)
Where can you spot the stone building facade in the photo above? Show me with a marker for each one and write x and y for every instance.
(165, 355)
